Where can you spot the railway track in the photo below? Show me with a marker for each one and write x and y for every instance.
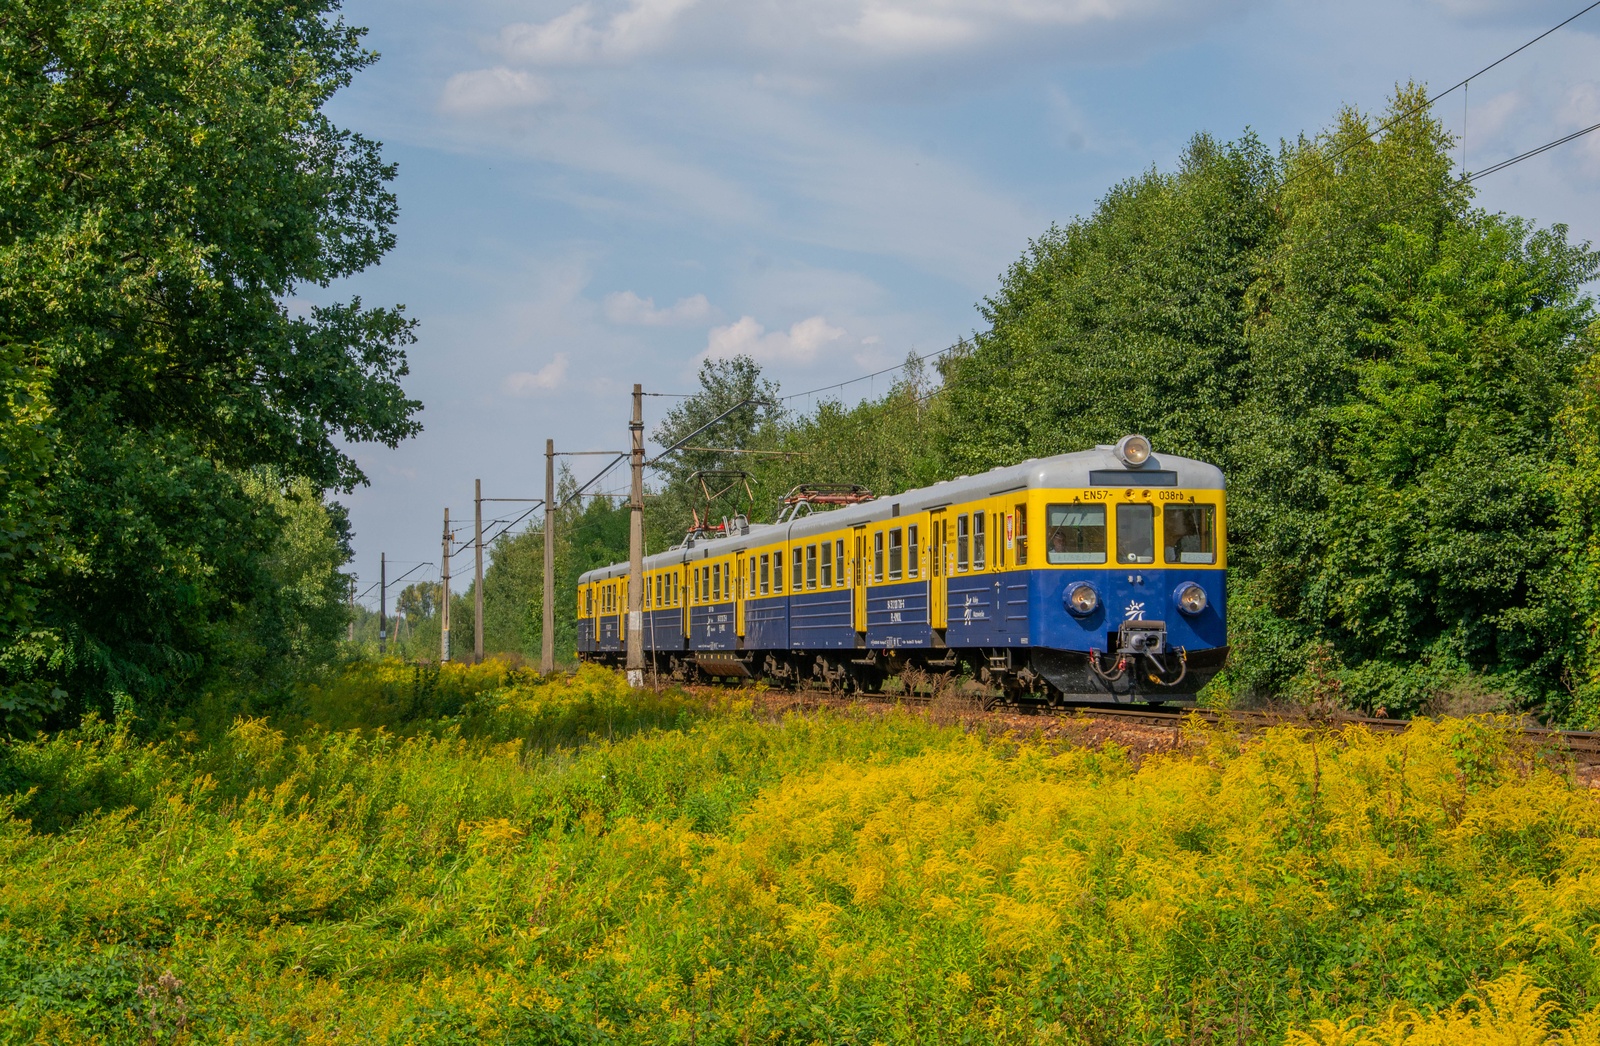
(1583, 745)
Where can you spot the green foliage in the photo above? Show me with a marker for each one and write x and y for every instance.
(566, 860)
(169, 180)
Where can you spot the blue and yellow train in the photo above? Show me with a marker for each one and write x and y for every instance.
(1093, 576)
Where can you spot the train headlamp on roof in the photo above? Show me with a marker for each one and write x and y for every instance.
(1133, 450)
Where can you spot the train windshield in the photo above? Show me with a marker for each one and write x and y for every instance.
(1136, 534)
(1189, 533)
(1076, 534)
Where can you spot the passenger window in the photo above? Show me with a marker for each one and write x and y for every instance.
(1075, 534)
(838, 562)
(897, 554)
(1189, 533)
(811, 566)
(777, 572)
(797, 567)
(877, 557)
(716, 582)
(827, 564)
(1136, 534)
(979, 540)
(961, 542)
(1019, 513)
(766, 575)
(913, 554)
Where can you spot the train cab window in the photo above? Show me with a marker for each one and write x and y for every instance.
(827, 564)
(979, 540)
(961, 542)
(1075, 534)
(1189, 533)
(897, 554)
(1019, 515)
(877, 557)
(811, 566)
(777, 572)
(838, 563)
(766, 575)
(1136, 534)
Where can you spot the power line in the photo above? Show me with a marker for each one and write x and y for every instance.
(1428, 102)
(1546, 147)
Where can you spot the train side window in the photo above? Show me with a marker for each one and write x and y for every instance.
(827, 564)
(777, 572)
(1136, 534)
(1001, 538)
(979, 540)
(1020, 514)
(1189, 533)
(588, 602)
(961, 542)
(797, 564)
(838, 563)
(748, 582)
(811, 566)
(936, 552)
(913, 554)
(897, 554)
(716, 582)
(877, 557)
(766, 575)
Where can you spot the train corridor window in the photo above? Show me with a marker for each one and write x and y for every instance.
(877, 557)
(827, 564)
(1189, 533)
(838, 563)
(811, 566)
(897, 554)
(913, 554)
(1136, 534)
(797, 561)
(979, 540)
(777, 572)
(1019, 514)
(1075, 534)
(961, 542)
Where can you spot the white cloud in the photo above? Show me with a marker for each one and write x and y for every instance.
(800, 345)
(628, 308)
(808, 34)
(485, 90)
(546, 379)
(583, 36)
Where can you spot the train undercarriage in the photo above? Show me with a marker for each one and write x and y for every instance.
(1001, 675)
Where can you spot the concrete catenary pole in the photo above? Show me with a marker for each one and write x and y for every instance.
(547, 636)
(636, 547)
(477, 574)
(444, 595)
(383, 603)
(351, 635)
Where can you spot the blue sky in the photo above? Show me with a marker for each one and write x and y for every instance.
(604, 192)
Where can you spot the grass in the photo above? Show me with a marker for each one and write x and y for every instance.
(485, 857)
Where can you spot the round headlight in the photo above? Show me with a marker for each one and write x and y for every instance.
(1082, 599)
(1191, 598)
(1133, 450)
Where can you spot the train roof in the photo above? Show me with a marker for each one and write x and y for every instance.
(1097, 467)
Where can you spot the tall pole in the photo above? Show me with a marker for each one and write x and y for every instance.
(351, 637)
(477, 574)
(383, 603)
(547, 637)
(636, 548)
(444, 599)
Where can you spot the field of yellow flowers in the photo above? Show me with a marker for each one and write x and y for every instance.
(478, 856)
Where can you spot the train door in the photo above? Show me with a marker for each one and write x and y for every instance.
(741, 579)
(858, 580)
(938, 604)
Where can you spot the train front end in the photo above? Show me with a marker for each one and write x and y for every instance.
(1129, 601)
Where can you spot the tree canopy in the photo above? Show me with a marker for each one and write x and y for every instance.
(168, 182)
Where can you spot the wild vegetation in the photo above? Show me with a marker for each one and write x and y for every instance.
(481, 856)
